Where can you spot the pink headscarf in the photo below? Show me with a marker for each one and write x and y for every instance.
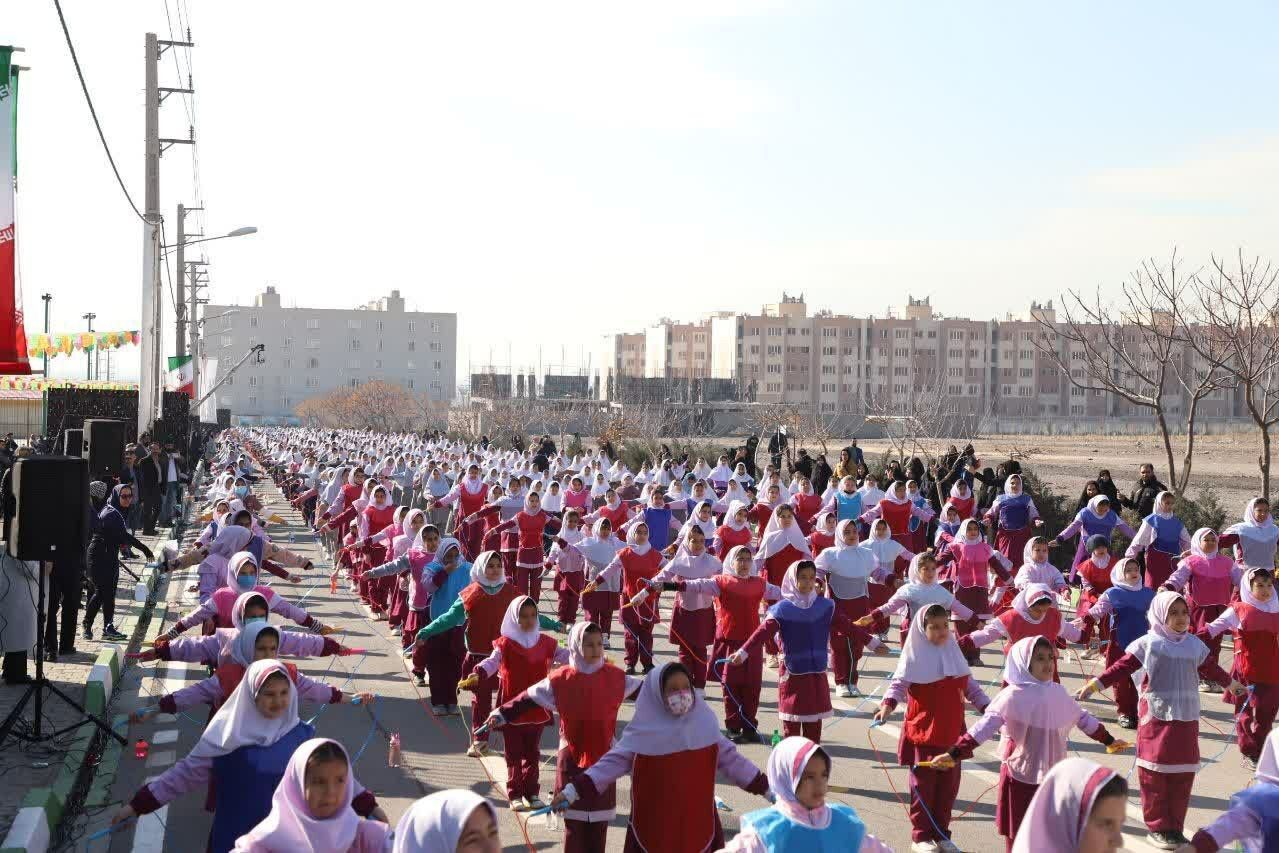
(1158, 615)
(654, 730)
(511, 624)
(434, 824)
(1033, 593)
(1026, 699)
(290, 825)
(1058, 813)
(575, 657)
(923, 662)
(786, 765)
(790, 588)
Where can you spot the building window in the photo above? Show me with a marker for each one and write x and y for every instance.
(408, 365)
(353, 364)
(313, 363)
(312, 343)
(435, 326)
(410, 383)
(312, 382)
(253, 322)
(253, 401)
(288, 343)
(412, 346)
(226, 340)
(435, 346)
(355, 345)
(354, 383)
(381, 326)
(253, 381)
(412, 325)
(436, 386)
(287, 363)
(313, 324)
(353, 324)
(377, 364)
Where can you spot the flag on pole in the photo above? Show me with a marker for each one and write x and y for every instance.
(181, 377)
(13, 338)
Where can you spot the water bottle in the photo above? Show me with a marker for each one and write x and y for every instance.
(776, 739)
(140, 591)
(553, 820)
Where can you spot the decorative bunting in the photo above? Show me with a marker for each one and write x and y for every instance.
(38, 383)
(66, 343)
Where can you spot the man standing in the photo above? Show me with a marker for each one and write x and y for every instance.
(1147, 488)
(151, 473)
(173, 478)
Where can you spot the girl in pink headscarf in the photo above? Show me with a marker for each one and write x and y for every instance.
(780, 545)
(1208, 578)
(801, 819)
(932, 672)
(1036, 715)
(311, 808)
(1078, 807)
(1168, 710)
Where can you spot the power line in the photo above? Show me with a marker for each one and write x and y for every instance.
(84, 87)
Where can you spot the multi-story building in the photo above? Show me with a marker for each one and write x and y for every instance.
(311, 351)
(839, 364)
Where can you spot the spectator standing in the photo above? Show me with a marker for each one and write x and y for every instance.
(1147, 488)
(150, 481)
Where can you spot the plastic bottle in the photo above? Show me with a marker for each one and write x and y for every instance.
(776, 739)
(553, 820)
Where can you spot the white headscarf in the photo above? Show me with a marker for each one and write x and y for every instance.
(1096, 501)
(234, 565)
(576, 658)
(640, 550)
(1117, 576)
(434, 824)
(1058, 813)
(239, 723)
(776, 537)
(1245, 592)
(923, 662)
(790, 588)
(290, 825)
(477, 571)
(730, 517)
(511, 624)
(654, 730)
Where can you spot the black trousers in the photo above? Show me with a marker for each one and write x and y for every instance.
(152, 500)
(106, 578)
(64, 592)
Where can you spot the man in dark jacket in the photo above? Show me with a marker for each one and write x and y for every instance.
(1147, 488)
(804, 464)
(152, 474)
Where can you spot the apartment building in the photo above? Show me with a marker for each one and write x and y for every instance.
(840, 364)
(311, 351)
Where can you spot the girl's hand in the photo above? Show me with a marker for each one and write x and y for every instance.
(469, 683)
(326, 630)
(495, 720)
(122, 814)
(559, 802)
(1118, 746)
(865, 621)
(295, 578)
(881, 714)
(142, 713)
(1039, 522)
(1089, 688)
(1053, 544)
(737, 658)
(942, 762)
(1237, 689)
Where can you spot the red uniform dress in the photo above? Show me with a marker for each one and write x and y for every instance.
(520, 669)
(483, 625)
(934, 721)
(1019, 628)
(726, 539)
(736, 618)
(529, 529)
(1256, 665)
(1098, 581)
(897, 516)
(806, 508)
(639, 619)
(378, 591)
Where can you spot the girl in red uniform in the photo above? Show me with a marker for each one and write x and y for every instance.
(734, 531)
(898, 509)
(570, 578)
(806, 504)
(673, 750)
(636, 563)
(1094, 575)
(1032, 615)
(762, 511)
(823, 535)
(598, 550)
(586, 694)
(932, 672)
(532, 523)
(521, 657)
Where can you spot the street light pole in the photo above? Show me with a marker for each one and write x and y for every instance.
(47, 297)
(88, 354)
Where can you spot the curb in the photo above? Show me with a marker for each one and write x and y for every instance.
(42, 809)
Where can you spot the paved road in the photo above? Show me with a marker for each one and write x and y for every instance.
(433, 748)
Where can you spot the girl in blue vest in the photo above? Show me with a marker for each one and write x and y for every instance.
(659, 518)
(801, 819)
(802, 622)
(1017, 516)
(1162, 538)
(1253, 816)
(244, 752)
(446, 577)
(1096, 519)
(1124, 607)
(846, 502)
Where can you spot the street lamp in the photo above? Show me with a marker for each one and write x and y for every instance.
(238, 232)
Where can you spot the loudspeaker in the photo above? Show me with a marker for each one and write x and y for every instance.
(50, 506)
(73, 442)
(104, 447)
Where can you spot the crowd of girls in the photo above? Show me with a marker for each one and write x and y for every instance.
(454, 546)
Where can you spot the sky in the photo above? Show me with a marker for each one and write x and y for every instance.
(553, 172)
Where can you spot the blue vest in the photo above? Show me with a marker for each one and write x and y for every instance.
(778, 832)
(848, 506)
(1014, 513)
(245, 781)
(1128, 618)
(256, 546)
(805, 634)
(915, 521)
(213, 525)
(1262, 799)
(659, 526)
(442, 599)
(1167, 533)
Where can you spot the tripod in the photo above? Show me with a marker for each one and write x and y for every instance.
(37, 689)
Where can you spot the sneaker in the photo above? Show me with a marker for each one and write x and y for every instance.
(88, 633)
(1162, 840)
(51, 656)
(478, 749)
(770, 661)
(842, 691)
(630, 669)
(646, 669)
(519, 804)
(419, 679)
(948, 846)
(534, 803)
(1250, 763)
(1127, 722)
(1208, 687)
(112, 635)
(439, 710)
(607, 644)
(454, 711)
(924, 847)
(1089, 654)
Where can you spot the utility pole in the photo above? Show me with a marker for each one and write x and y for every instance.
(88, 356)
(47, 297)
(150, 376)
(193, 311)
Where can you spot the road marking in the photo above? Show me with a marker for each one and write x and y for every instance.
(165, 736)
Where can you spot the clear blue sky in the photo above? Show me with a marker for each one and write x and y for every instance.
(590, 169)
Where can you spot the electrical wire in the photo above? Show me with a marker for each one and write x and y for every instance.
(84, 87)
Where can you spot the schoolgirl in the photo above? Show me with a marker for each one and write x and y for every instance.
(1161, 537)
(1096, 519)
(1032, 615)
(848, 570)
(632, 567)
(972, 559)
(1017, 517)
(1123, 607)
(1208, 578)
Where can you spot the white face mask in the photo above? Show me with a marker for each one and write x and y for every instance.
(680, 702)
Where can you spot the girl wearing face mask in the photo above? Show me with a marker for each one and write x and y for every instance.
(521, 657)
(1168, 737)
(1036, 715)
(1208, 578)
(672, 748)
(932, 672)
(1017, 517)
(448, 822)
(1255, 621)
(972, 559)
(311, 808)
(255, 641)
(1079, 808)
(244, 753)
(1094, 580)
(848, 570)
(802, 622)
(242, 577)
(1122, 607)
(1161, 537)
(1032, 615)
(586, 695)
(802, 819)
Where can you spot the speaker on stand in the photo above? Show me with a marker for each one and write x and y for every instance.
(73, 442)
(104, 447)
(45, 502)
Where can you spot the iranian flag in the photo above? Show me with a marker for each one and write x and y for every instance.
(181, 378)
(13, 338)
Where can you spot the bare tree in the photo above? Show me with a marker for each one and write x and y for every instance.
(1136, 351)
(1236, 331)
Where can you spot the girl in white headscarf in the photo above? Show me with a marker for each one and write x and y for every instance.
(848, 571)
(1256, 537)
(801, 818)
(1079, 806)
(1162, 536)
(1122, 608)
(598, 550)
(448, 821)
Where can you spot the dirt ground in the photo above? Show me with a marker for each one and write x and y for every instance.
(1227, 463)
